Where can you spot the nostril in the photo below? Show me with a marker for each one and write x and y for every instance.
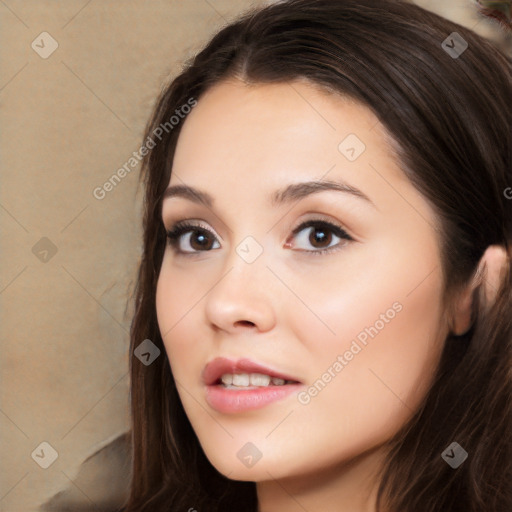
(245, 322)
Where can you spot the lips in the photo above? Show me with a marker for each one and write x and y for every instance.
(214, 370)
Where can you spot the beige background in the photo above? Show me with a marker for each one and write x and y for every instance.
(68, 123)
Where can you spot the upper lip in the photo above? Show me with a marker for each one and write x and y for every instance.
(215, 369)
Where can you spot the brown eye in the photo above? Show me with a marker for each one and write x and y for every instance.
(320, 235)
(190, 238)
(200, 241)
(187, 238)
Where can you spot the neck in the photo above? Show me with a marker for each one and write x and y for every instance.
(348, 487)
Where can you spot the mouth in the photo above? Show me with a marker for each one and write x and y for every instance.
(236, 386)
(244, 374)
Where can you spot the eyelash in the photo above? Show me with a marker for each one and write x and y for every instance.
(182, 227)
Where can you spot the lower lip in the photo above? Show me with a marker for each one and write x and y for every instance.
(231, 401)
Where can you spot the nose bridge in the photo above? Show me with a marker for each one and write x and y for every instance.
(250, 250)
(245, 267)
(242, 293)
(246, 254)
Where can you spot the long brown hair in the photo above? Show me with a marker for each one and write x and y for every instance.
(450, 115)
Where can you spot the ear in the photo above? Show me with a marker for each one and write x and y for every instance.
(489, 275)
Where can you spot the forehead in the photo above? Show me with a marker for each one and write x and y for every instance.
(233, 117)
(264, 136)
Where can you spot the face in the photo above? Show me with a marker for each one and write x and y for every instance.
(337, 286)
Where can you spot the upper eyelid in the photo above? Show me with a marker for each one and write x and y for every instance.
(189, 225)
(202, 224)
(173, 220)
(318, 220)
(294, 193)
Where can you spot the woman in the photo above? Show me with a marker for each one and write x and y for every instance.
(326, 269)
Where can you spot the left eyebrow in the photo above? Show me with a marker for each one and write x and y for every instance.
(297, 191)
(292, 192)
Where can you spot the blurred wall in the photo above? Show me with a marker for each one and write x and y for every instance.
(77, 82)
(465, 13)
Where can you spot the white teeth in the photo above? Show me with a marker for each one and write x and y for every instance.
(227, 379)
(258, 379)
(231, 380)
(241, 379)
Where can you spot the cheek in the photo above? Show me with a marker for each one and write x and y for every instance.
(177, 297)
(373, 342)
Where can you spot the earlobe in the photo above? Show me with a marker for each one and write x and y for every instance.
(488, 275)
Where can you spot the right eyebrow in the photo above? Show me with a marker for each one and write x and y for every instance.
(191, 193)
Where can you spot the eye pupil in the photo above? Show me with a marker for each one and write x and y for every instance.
(201, 239)
(318, 236)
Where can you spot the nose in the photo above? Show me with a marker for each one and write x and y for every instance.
(243, 297)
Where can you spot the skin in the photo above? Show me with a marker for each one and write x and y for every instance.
(294, 310)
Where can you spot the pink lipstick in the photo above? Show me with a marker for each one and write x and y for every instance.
(242, 385)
